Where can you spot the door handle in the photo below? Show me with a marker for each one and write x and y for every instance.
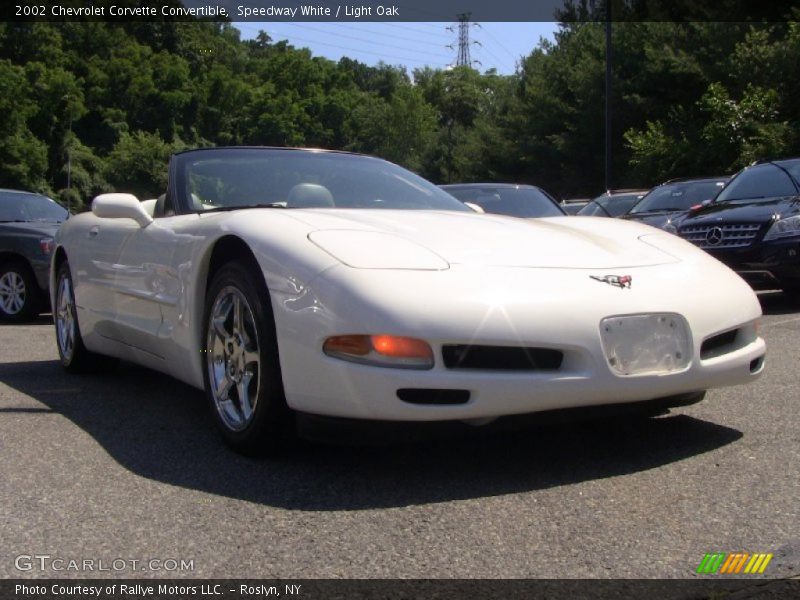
(93, 232)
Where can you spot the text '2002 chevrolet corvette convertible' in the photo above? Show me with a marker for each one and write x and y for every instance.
(288, 280)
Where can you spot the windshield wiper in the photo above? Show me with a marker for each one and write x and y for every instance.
(15, 221)
(658, 210)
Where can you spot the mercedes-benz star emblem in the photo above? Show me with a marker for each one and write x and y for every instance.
(714, 236)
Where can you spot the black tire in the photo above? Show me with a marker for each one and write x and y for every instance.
(20, 296)
(74, 356)
(241, 370)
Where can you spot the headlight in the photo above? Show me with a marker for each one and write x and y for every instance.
(784, 228)
(381, 351)
(669, 227)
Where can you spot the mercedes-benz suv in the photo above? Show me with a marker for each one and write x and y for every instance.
(753, 225)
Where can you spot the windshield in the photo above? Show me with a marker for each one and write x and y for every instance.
(678, 196)
(229, 178)
(610, 206)
(526, 202)
(762, 181)
(24, 206)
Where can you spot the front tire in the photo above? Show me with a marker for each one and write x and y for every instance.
(241, 368)
(20, 297)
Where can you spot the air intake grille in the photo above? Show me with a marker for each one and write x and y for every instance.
(721, 236)
(719, 344)
(501, 358)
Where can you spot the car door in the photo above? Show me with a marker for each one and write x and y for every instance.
(148, 286)
(95, 262)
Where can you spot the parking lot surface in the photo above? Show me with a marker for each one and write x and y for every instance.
(126, 465)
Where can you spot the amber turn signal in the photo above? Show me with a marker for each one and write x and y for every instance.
(381, 350)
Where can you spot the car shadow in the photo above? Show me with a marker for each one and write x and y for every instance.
(160, 428)
(779, 303)
(43, 319)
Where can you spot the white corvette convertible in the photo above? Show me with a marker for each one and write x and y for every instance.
(285, 280)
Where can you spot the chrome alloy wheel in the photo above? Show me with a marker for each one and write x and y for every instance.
(12, 292)
(233, 358)
(65, 318)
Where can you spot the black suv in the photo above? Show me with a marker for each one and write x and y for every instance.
(28, 223)
(671, 200)
(753, 225)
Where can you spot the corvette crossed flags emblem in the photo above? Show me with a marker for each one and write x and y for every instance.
(620, 281)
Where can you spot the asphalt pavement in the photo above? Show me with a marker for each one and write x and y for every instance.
(126, 466)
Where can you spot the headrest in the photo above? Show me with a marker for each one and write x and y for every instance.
(309, 195)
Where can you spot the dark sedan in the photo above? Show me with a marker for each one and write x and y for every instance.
(671, 200)
(28, 223)
(753, 225)
(526, 201)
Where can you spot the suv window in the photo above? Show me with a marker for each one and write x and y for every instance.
(761, 181)
(16, 206)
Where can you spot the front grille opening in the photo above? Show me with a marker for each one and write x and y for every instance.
(433, 396)
(719, 344)
(501, 358)
(756, 364)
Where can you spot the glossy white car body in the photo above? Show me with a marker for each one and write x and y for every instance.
(443, 277)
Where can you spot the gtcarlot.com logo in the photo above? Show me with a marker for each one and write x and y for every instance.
(732, 563)
(46, 562)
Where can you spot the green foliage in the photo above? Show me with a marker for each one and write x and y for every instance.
(90, 107)
(137, 163)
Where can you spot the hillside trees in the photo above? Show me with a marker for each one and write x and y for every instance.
(91, 107)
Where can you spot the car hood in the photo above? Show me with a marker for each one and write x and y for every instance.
(30, 228)
(753, 212)
(433, 240)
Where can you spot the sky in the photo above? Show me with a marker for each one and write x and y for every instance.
(413, 45)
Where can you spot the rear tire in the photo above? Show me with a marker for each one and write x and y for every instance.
(241, 369)
(20, 296)
(74, 356)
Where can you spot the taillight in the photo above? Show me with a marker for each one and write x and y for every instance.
(47, 245)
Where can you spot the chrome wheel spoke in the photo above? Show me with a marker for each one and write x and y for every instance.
(218, 324)
(244, 398)
(238, 316)
(223, 389)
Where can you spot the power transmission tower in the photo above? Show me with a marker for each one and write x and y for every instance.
(463, 59)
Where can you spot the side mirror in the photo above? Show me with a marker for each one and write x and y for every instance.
(121, 206)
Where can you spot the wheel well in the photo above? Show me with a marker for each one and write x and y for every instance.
(227, 249)
(61, 256)
(9, 256)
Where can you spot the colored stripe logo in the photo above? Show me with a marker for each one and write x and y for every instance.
(733, 563)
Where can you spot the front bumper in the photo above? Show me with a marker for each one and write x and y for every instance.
(560, 309)
(765, 265)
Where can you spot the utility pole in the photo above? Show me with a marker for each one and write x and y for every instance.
(463, 59)
(68, 97)
(608, 156)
